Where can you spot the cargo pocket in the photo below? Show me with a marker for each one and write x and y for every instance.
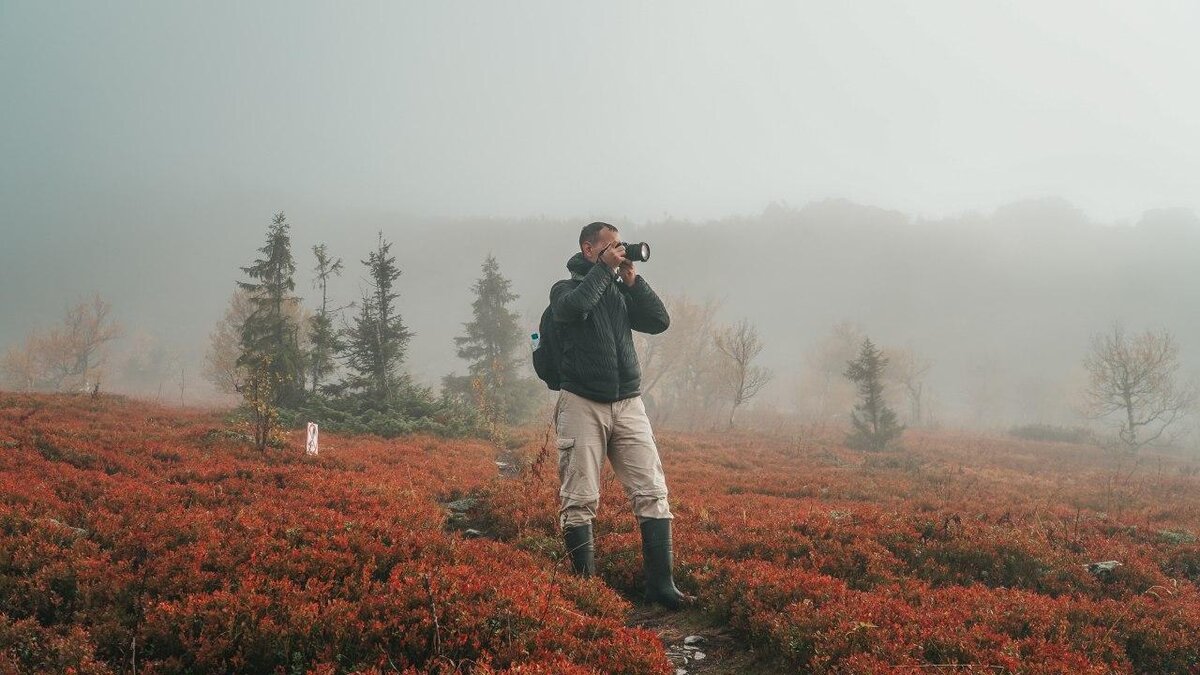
(566, 456)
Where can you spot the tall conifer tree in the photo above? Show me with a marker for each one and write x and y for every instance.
(491, 346)
(375, 345)
(875, 425)
(324, 337)
(270, 337)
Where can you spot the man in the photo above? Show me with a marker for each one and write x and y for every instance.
(600, 411)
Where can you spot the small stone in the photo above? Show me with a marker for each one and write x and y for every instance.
(693, 639)
(1105, 567)
(699, 656)
(681, 671)
(77, 532)
(464, 504)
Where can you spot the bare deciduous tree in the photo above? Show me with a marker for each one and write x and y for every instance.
(740, 344)
(908, 369)
(224, 345)
(677, 365)
(148, 365)
(824, 392)
(21, 367)
(68, 356)
(1137, 378)
(77, 346)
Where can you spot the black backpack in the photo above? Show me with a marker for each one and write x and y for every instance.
(547, 353)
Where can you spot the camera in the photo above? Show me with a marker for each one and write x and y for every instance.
(639, 252)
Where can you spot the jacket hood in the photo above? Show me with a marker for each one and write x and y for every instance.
(579, 264)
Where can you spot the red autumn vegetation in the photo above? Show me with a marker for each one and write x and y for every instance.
(959, 552)
(140, 537)
(134, 535)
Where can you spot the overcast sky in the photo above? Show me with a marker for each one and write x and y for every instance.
(634, 109)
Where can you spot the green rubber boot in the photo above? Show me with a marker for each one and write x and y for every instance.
(657, 557)
(581, 549)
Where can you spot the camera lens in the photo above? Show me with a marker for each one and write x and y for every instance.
(639, 252)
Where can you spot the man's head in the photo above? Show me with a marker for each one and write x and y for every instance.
(595, 237)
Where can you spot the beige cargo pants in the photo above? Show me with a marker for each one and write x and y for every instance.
(588, 432)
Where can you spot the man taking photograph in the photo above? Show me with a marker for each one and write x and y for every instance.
(600, 412)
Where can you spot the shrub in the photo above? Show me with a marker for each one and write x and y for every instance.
(209, 556)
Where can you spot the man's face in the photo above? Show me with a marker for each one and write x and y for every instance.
(605, 239)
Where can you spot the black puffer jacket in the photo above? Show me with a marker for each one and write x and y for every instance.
(596, 313)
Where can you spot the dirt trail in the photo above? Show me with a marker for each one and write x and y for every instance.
(696, 644)
(693, 641)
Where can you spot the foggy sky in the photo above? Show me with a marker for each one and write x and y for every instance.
(144, 147)
(635, 109)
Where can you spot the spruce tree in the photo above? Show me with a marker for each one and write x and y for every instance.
(375, 346)
(875, 425)
(269, 336)
(324, 337)
(491, 346)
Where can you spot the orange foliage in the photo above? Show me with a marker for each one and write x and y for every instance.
(132, 534)
(962, 552)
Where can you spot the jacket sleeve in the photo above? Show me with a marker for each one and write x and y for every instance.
(573, 304)
(647, 314)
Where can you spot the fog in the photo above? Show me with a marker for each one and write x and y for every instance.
(987, 185)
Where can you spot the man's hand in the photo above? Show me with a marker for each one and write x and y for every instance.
(627, 272)
(613, 256)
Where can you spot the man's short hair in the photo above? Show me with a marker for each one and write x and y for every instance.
(591, 232)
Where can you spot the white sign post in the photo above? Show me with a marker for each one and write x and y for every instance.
(311, 447)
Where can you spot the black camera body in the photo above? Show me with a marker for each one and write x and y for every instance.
(639, 252)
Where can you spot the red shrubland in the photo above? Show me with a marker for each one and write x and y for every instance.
(137, 534)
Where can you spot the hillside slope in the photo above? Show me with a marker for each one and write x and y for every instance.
(139, 536)
(134, 536)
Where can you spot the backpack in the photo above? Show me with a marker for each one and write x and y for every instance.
(547, 351)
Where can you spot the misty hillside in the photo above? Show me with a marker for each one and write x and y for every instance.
(129, 524)
(1004, 301)
(928, 398)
